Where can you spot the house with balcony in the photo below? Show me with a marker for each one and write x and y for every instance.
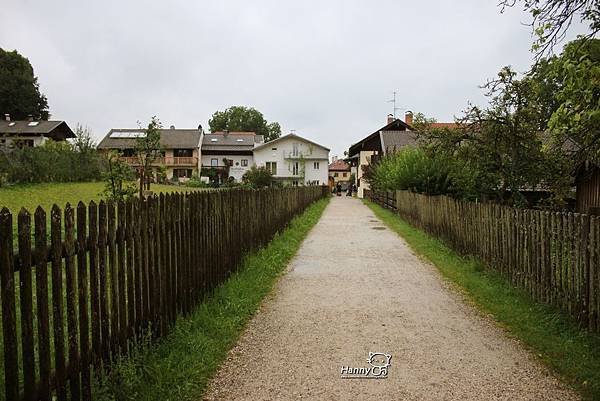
(181, 149)
(228, 155)
(294, 160)
(30, 133)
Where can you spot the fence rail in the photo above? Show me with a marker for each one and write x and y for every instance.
(555, 257)
(120, 271)
(385, 199)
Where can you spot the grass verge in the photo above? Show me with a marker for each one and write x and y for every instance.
(554, 337)
(45, 195)
(181, 364)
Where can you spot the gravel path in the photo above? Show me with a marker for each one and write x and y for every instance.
(353, 288)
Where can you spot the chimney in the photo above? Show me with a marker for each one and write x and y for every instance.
(408, 117)
(30, 117)
(390, 118)
(225, 132)
(7, 117)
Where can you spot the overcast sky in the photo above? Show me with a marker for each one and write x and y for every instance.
(323, 68)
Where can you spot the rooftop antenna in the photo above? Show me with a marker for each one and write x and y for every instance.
(394, 102)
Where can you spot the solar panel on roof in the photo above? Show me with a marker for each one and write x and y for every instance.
(127, 134)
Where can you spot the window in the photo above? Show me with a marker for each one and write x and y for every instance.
(335, 174)
(345, 175)
(182, 173)
(295, 168)
(214, 162)
(273, 148)
(295, 183)
(23, 143)
(183, 152)
(272, 167)
(316, 165)
(295, 149)
(244, 162)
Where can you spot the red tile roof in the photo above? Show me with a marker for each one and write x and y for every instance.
(443, 125)
(339, 165)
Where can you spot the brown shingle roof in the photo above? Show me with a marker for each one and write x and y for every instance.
(392, 141)
(232, 141)
(47, 128)
(375, 138)
(169, 139)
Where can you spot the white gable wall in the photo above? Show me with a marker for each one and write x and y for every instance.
(291, 150)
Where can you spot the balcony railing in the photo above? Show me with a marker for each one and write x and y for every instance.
(216, 168)
(299, 155)
(164, 161)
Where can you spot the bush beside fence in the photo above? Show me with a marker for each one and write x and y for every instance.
(555, 257)
(123, 271)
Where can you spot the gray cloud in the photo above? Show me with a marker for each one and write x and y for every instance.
(323, 68)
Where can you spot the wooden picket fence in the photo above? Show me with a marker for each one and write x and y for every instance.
(555, 257)
(385, 199)
(113, 273)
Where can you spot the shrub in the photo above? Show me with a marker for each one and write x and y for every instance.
(51, 162)
(412, 169)
(258, 177)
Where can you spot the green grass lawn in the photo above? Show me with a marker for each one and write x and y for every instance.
(551, 335)
(180, 366)
(31, 196)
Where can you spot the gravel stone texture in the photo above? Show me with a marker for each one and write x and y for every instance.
(355, 287)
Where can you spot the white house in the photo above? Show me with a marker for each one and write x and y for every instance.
(294, 160)
(228, 154)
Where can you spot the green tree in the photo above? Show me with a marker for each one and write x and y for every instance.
(83, 142)
(148, 149)
(551, 19)
(19, 89)
(241, 118)
(571, 83)
(258, 177)
(500, 150)
(117, 177)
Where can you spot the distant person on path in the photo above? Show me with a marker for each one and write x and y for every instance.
(339, 189)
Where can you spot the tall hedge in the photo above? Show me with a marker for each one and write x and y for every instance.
(52, 162)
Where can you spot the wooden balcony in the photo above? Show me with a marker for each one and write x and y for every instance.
(164, 161)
